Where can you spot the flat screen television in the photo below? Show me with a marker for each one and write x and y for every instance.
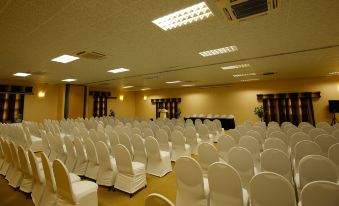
(333, 106)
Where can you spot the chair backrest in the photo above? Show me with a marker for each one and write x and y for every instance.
(256, 135)
(178, 141)
(273, 160)
(152, 148)
(79, 149)
(139, 149)
(315, 132)
(325, 141)
(225, 143)
(38, 179)
(292, 130)
(225, 185)
(276, 143)
(316, 167)
(280, 135)
(62, 180)
(103, 156)
(203, 131)
(49, 174)
(70, 147)
(124, 139)
(304, 148)
(251, 144)
(15, 157)
(306, 128)
(268, 189)
(190, 184)
(335, 134)
(162, 138)
(322, 193)
(123, 159)
(24, 161)
(148, 132)
(298, 137)
(190, 134)
(155, 199)
(113, 138)
(235, 134)
(207, 155)
(333, 155)
(91, 151)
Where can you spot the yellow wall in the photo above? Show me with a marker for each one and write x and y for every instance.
(240, 99)
(76, 101)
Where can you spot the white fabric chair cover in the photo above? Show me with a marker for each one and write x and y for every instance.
(163, 140)
(256, 135)
(159, 162)
(292, 131)
(325, 141)
(268, 189)
(27, 181)
(113, 138)
(273, 160)
(107, 166)
(38, 179)
(320, 193)
(304, 148)
(5, 168)
(314, 168)
(235, 134)
(335, 133)
(45, 144)
(71, 154)
(53, 146)
(315, 132)
(241, 159)
(225, 186)
(82, 193)
(155, 199)
(124, 139)
(252, 145)
(333, 155)
(225, 143)
(276, 143)
(131, 175)
(306, 128)
(2, 156)
(295, 138)
(93, 162)
(280, 135)
(191, 138)
(139, 149)
(192, 187)
(179, 148)
(148, 132)
(82, 160)
(17, 177)
(49, 196)
(202, 129)
(60, 148)
(207, 155)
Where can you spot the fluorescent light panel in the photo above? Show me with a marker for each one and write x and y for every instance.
(65, 59)
(187, 85)
(197, 12)
(68, 80)
(22, 74)
(126, 87)
(235, 66)
(334, 73)
(118, 70)
(244, 75)
(173, 82)
(144, 89)
(219, 51)
(249, 80)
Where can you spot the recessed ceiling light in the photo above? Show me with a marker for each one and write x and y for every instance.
(21, 74)
(249, 80)
(118, 70)
(244, 75)
(65, 59)
(235, 66)
(126, 87)
(187, 85)
(68, 80)
(333, 73)
(173, 82)
(223, 50)
(197, 12)
(144, 89)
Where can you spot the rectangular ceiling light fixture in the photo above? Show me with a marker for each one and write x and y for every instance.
(68, 80)
(187, 85)
(219, 51)
(334, 73)
(126, 87)
(244, 75)
(145, 89)
(249, 80)
(235, 66)
(21, 74)
(173, 82)
(118, 70)
(65, 59)
(197, 12)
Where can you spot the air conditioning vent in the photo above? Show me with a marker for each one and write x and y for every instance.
(90, 55)
(239, 10)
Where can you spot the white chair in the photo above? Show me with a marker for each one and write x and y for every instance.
(45, 144)
(335, 133)
(27, 181)
(113, 138)
(241, 159)
(107, 167)
(124, 139)
(71, 154)
(225, 143)
(225, 186)
(5, 158)
(207, 155)
(82, 160)
(315, 132)
(280, 135)
(148, 132)
(2, 156)
(333, 154)
(17, 177)
(60, 148)
(131, 175)
(139, 148)
(53, 146)
(276, 143)
(292, 131)
(306, 128)
(159, 162)
(49, 196)
(256, 135)
(304, 148)
(235, 134)
(155, 199)
(268, 189)
(192, 187)
(242, 129)
(191, 138)
(252, 145)
(325, 141)
(314, 168)
(82, 193)
(163, 140)
(322, 193)
(179, 148)
(273, 160)
(322, 124)
(93, 162)
(297, 137)
(38, 179)
(203, 133)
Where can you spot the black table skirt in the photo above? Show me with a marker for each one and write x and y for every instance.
(226, 123)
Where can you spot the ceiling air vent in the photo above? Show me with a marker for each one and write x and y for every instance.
(90, 55)
(239, 10)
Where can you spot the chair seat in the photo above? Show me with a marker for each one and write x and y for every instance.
(138, 168)
(83, 188)
(164, 154)
(74, 177)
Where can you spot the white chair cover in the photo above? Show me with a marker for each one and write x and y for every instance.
(17, 177)
(252, 145)
(235, 134)
(191, 138)
(315, 132)
(320, 193)
(38, 179)
(304, 148)
(124, 139)
(207, 155)
(27, 181)
(49, 197)
(333, 154)
(179, 148)
(280, 135)
(140, 154)
(325, 141)
(71, 154)
(225, 143)
(276, 143)
(202, 129)
(93, 162)
(163, 140)
(155, 199)
(107, 166)
(82, 160)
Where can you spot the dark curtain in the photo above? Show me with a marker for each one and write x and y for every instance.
(100, 106)
(14, 109)
(307, 110)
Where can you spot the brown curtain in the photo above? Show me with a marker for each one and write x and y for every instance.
(99, 106)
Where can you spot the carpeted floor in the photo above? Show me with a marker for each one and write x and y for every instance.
(165, 185)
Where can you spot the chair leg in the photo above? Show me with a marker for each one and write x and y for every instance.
(131, 195)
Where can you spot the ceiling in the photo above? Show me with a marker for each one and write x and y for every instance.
(301, 40)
